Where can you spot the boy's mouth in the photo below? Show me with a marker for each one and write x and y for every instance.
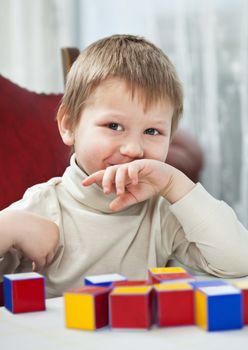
(119, 163)
(112, 162)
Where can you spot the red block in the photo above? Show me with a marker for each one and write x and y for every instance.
(160, 278)
(243, 286)
(24, 292)
(131, 307)
(245, 306)
(130, 283)
(175, 304)
(164, 274)
(1, 294)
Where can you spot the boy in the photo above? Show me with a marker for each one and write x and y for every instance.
(119, 207)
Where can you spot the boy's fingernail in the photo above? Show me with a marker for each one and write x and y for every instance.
(119, 191)
(106, 190)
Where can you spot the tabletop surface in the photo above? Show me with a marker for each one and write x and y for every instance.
(46, 330)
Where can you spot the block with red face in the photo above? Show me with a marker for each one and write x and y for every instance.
(243, 286)
(166, 274)
(131, 307)
(24, 292)
(174, 304)
(86, 307)
(130, 283)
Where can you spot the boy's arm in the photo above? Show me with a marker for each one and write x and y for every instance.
(35, 236)
(209, 236)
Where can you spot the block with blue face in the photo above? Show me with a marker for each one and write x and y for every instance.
(207, 283)
(103, 280)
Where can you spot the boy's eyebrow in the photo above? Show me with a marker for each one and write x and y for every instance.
(111, 113)
(160, 121)
(115, 113)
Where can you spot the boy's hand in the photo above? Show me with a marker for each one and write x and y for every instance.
(139, 180)
(37, 238)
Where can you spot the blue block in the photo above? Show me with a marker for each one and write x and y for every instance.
(219, 307)
(207, 283)
(99, 284)
(103, 280)
(225, 312)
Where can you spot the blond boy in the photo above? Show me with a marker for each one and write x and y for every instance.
(119, 207)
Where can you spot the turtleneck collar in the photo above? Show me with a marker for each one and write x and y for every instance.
(92, 196)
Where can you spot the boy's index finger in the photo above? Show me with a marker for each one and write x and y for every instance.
(93, 178)
(88, 181)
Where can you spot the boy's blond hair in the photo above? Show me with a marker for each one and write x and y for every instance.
(144, 67)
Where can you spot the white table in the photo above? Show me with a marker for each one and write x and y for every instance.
(45, 330)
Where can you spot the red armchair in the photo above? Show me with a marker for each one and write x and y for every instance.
(31, 149)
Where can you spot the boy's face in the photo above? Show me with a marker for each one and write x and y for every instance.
(115, 129)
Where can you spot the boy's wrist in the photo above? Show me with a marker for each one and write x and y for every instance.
(7, 233)
(178, 186)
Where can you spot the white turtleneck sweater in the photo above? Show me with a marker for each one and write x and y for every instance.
(198, 230)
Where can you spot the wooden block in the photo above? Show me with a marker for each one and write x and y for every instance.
(207, 283)
(86, 307)
(1, 294)
(131, 307)
(103, 280)
(218, 308)
(130, 283)
(243, 286)
(24, 292)
(165, 274)
(174, 304)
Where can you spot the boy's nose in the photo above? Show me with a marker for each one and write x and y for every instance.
(132, 150)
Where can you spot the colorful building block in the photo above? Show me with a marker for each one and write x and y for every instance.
(164, 274)
(24, 292)
(243, 286)
(218, 308)
(174, 304)
(131, 307)
(207, 283)
(130, 283)
(1, 294)
(86, 307)
(103, 280)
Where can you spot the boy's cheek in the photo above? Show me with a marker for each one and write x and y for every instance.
(89, 164)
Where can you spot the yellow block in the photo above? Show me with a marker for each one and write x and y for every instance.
(132, 290)
(201, 315)
(160, 270)
(241, 284)
(172, 286)
(79, 311)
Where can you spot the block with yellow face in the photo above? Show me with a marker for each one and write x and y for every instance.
(219, 308)
(86, 307)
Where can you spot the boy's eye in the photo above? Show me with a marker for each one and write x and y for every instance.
(114, 126)
(152, 131)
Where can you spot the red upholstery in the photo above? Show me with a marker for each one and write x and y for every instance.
(31, 150)
(186, 155)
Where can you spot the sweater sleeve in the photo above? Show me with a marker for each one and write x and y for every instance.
(210, 237)
(42, 200)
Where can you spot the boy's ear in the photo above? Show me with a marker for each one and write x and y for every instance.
(65, 126)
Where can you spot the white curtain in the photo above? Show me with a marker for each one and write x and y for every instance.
(31, 35)
(206, 39)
